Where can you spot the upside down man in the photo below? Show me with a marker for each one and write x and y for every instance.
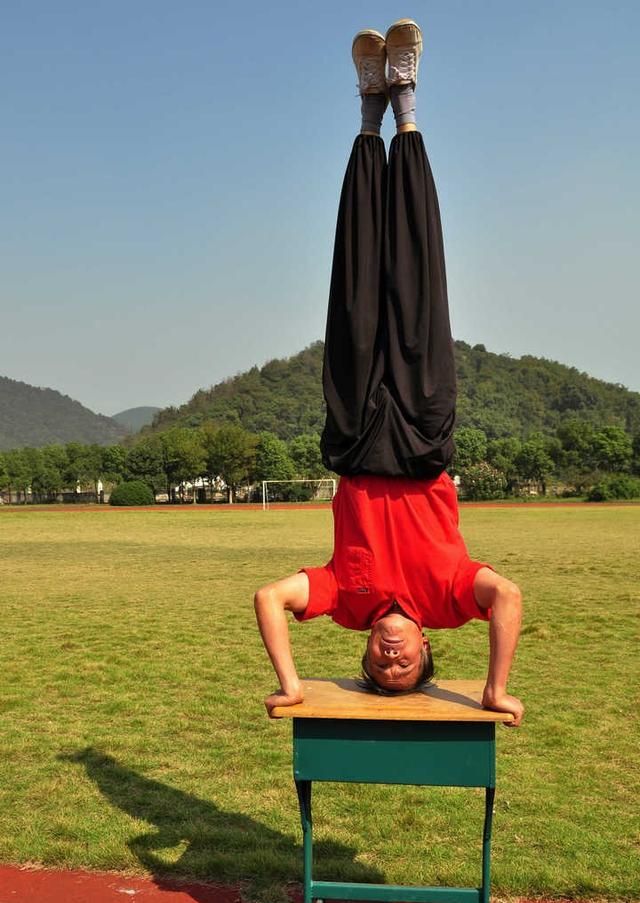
(399, 564)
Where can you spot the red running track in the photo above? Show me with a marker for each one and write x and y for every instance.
(25, 885)
(28, 885)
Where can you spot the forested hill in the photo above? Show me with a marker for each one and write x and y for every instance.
(133, 419)
(501, 395)
(34, 417)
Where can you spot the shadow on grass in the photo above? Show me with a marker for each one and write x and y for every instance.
(204, 842)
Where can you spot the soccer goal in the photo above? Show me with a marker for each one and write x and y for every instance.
(297, 491)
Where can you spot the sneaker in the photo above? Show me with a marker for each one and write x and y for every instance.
(404, 47)
(369, 57)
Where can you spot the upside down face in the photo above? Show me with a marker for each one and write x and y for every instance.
(395, 652)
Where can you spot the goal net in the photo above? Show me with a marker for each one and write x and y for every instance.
(297, 491)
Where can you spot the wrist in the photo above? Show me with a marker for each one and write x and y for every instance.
(291, 686)
(494, 690)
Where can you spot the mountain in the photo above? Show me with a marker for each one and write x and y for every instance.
(284, 397)
(133, 419)
(34, 417)
(502, 395)
(508, 396)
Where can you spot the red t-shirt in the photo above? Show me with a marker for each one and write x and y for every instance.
(395, 539)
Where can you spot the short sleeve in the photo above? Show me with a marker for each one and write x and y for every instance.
(464, 599)
(323, 592)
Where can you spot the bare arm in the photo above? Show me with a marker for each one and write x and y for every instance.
(505, 601)
(272, 603)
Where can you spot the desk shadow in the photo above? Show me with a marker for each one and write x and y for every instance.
(212, 844)
(437, 692)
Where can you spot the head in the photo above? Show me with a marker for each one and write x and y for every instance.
(398, 658)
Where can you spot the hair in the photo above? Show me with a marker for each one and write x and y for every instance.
(368, 682)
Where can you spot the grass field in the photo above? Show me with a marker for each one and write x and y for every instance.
(133, 735)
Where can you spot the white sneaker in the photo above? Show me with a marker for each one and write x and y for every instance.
(404, 48)
(369, 57)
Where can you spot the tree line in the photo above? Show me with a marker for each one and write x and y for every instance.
(580, 459)
(224, 455)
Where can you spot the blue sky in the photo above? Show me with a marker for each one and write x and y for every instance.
(171, 174)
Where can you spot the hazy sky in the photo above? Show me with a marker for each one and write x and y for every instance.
(171, 170)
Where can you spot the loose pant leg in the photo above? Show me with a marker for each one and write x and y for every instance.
(419, 361)
(353, 359)
(389, 375)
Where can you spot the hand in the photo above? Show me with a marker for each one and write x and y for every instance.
(502, 702)
(282, 698)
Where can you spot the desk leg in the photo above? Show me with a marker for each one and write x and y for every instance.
(304, 799)
(490, 793)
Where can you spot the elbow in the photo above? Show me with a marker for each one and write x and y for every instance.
(507, 598)
(264, 599)
(514, 595)
(260, 599)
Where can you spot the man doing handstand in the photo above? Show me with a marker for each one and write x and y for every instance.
(399, 563)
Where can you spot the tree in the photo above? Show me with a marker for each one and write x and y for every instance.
(230, 454)
(84, 465)
(90, 466)
(612, 449)
(55, 458)
(34, 466)
(635, 461)
(46, 472)
(553, 448)
(573, 395)
(502, 454)
(183, 456)
(533, 462)
(575, 461)
(114, 463)
(471, 447)
(18, 472)
(144, 462)
(4, 473)
(576, 438)
(306, 456)
(272, 461)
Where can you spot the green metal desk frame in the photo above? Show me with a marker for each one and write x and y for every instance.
(419, 752)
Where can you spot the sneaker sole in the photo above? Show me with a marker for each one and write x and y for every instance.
(399, 24)
(368, 32)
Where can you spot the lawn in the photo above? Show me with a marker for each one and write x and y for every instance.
(134, 738)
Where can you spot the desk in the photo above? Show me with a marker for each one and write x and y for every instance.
(440, 736)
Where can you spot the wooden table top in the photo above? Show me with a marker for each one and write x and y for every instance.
(445, 700)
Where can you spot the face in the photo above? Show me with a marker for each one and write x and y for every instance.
(394, 652)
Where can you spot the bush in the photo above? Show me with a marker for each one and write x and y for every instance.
(480, 482)
(617, 486)
(298, 492)
(290, 492)
(133, 492)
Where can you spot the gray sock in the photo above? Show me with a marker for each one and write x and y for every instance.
(373, 107)
(403, 103)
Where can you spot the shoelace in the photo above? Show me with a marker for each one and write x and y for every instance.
(404, 66)
(371, 74)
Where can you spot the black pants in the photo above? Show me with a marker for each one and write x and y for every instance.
(389, 374)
